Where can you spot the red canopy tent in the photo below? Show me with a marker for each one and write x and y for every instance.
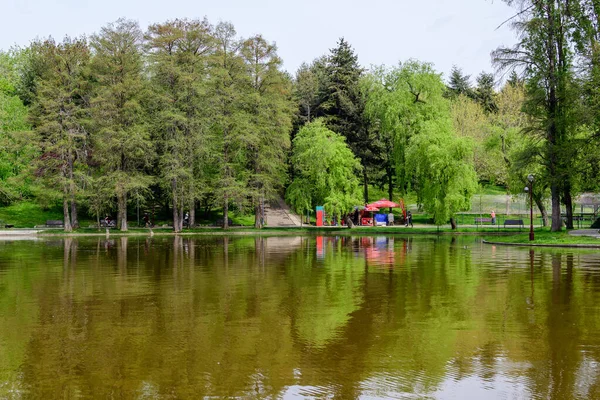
(384, 203)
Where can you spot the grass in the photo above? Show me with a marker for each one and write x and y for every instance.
(545, 237)
(27, 215)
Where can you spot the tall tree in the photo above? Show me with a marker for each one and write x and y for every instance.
(229, 83)
(342, 105)
(179, 52)
(18, 146)
(59, 111)
(122, 142)
(268, 134)
(545, 55)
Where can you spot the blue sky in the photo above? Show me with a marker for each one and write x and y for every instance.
(444, 32)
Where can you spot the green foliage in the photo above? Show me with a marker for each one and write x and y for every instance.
(121, 139)
(407, 104)
(331, 181)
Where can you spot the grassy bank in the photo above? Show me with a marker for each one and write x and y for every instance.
(545, 237)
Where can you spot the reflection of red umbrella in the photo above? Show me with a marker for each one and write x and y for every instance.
(384, 203)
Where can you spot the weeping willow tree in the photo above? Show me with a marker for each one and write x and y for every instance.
(326, 172)
(407, 105)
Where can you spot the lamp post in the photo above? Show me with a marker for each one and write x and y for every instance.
(530, 190)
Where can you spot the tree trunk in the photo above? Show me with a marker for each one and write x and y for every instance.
(390, 186)
(349, 222)
(175, 205)
(540, 205)
(365, 185)
(66, 217)
(181, 217)
(225, 212)
(568, 200)
(74, 219)
(453, 223)
(258, 216)
(556, 219)
(122, 213)
(193, 214)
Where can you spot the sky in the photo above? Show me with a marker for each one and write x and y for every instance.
(444, 32)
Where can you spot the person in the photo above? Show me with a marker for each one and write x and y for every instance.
(186, 219)
(409, 219)
(146, 220)
(390, 219)
(493, 215)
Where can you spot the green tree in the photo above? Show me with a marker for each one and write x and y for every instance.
(178, 53)
(459, 83)
(342, 103)
(122, 142)
(485, 93)
(429, 158)
(268, 134)
(59, 113)
(333, 181)
(230, 85)
(18, 147)
(544, 53)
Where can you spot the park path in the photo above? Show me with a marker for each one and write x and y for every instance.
(586, 232)
(278, 214)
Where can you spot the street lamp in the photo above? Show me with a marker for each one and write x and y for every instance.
(530, 190)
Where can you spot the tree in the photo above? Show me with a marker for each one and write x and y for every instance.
(230, 121)
(59, 111)
(545, 55)
(429, 158)
(268, 135)
(179, 51)
(333, 181)
(18, 146)
(459, 83)
(485, 93)
(122, 142)
(342, 104)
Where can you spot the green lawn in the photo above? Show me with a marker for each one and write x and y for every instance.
(27, 215)
(545, 237)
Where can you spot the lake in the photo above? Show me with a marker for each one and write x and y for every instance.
(372, 317)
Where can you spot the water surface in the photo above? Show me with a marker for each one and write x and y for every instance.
(280, 317)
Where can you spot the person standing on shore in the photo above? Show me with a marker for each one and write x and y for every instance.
(493, 215)
(409, 219)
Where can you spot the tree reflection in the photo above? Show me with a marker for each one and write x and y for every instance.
(188, 317)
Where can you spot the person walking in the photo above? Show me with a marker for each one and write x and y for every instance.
(390, 219)
(493, 215)
(409, 219)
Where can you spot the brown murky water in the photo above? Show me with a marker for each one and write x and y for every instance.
(284, 317)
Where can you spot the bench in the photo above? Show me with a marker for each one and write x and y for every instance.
(51, 223)
(482, 220)
(514, 222)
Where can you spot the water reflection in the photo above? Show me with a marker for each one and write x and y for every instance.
(345, 317)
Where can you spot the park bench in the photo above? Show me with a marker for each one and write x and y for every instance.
(51, 223)
(479, 221)
(514, 222)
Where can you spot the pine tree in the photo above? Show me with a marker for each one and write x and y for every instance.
(179, 52)
(59, 111)
(270, 110)
(122, 143)
(459, 83)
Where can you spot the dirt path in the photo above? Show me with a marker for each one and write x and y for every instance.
(278, 214)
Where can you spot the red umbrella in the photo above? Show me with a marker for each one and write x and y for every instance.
(370, 208)
(384, 203)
